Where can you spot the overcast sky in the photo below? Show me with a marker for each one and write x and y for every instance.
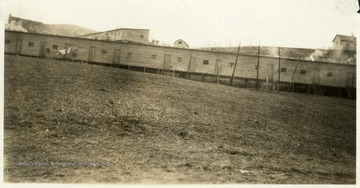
(201, 23)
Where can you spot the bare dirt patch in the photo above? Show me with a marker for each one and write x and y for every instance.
(121, 126)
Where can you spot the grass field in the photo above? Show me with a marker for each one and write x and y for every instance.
(133, 127)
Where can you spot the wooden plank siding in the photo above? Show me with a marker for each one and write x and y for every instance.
(151, 56)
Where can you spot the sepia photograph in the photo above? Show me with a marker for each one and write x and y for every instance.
(179, 92)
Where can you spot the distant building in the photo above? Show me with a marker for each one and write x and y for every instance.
(181, 44)
(122, 34)
(343, 42)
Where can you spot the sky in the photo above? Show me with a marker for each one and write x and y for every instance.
(203, 23)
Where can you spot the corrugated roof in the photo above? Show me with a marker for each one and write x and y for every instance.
(345, 38)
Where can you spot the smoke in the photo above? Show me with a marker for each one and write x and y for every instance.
(334, 56)
(312, 58)
(351, 60)
(15, 26)
(273, 52)
(317, 55)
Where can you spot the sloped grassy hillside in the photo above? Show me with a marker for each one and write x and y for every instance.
(68, 122)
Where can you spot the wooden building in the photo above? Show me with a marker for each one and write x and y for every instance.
(122, 34)
(180, 44)
(343, 42)
(192, 63)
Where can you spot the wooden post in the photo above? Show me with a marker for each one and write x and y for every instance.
(189, 65)
(218, 65)
(203, 77)
(257, 68)
(267, 79)
(237, 56)
(292, 78)
(113, 60)
(278, 85)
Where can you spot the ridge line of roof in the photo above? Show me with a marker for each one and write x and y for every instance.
(115, 30)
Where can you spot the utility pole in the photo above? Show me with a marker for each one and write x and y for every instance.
(237, 56)
(257, 68)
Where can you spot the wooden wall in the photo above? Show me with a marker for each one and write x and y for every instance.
(307, 72)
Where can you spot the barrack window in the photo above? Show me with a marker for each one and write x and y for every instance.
(128, 55)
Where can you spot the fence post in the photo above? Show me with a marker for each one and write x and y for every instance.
(257, 68)
(237, 56)
(279, 70)
(189, 65)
